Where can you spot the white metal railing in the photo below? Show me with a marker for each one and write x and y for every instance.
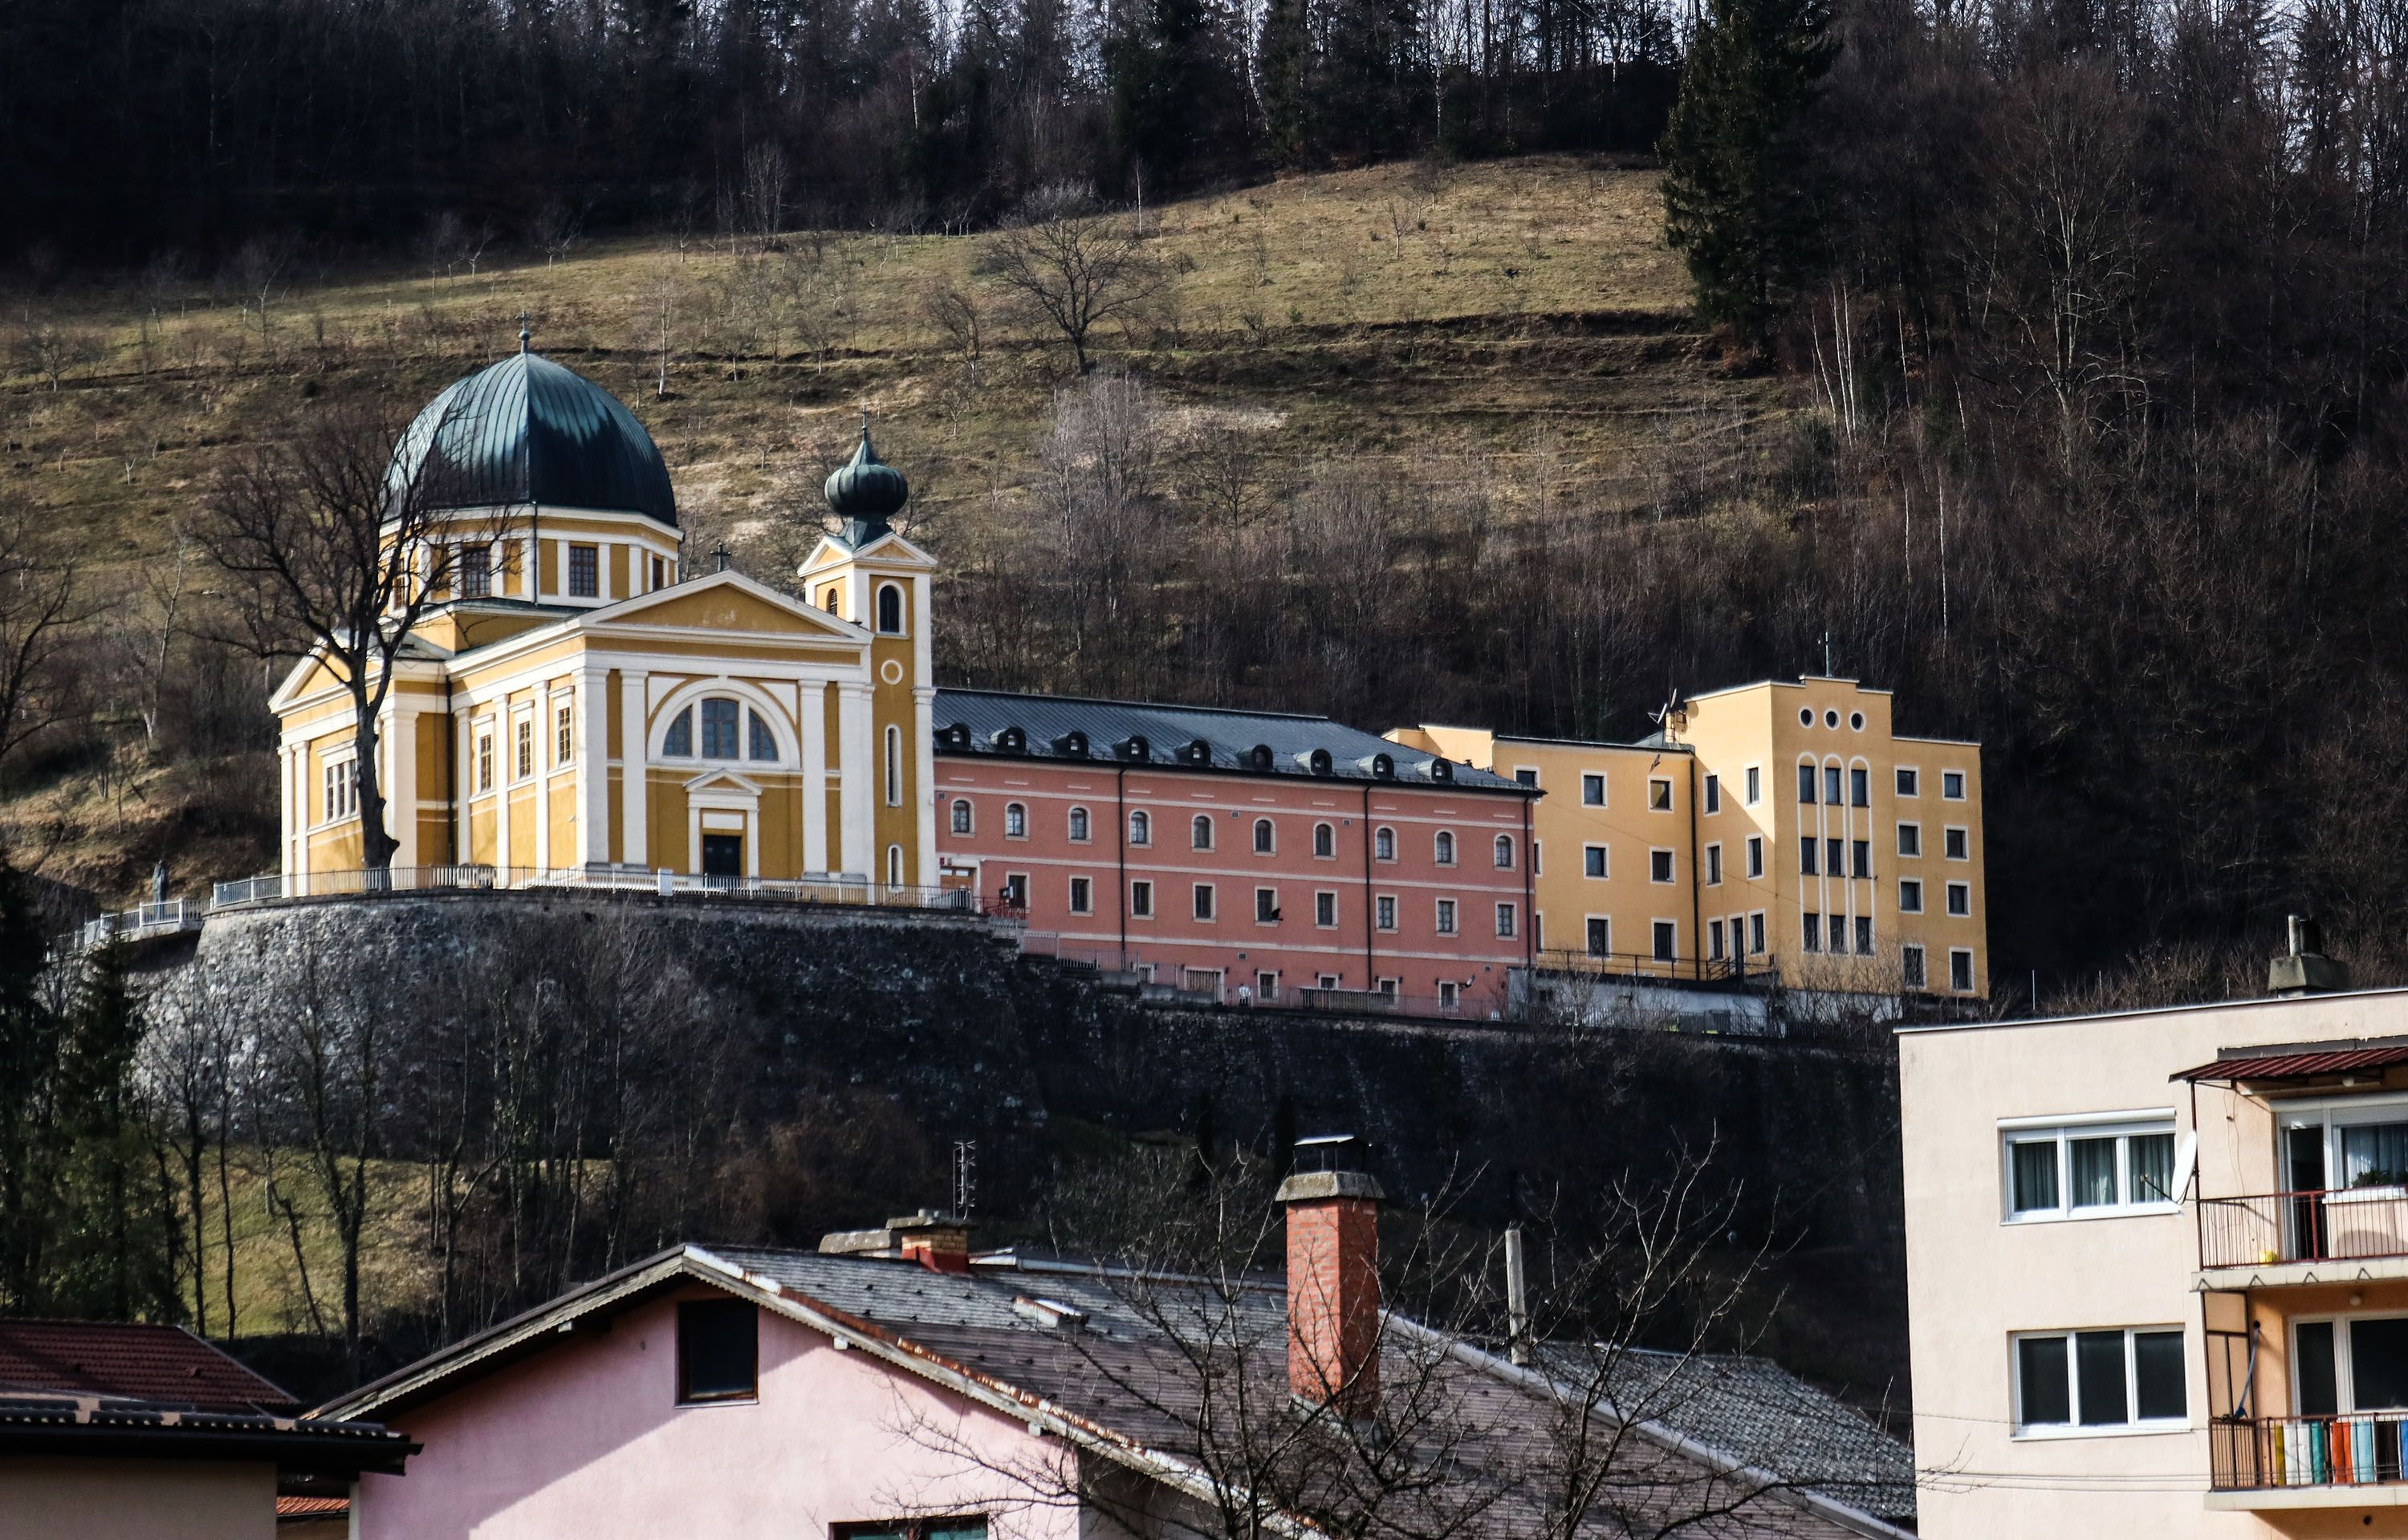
(839, 888)
(144, 919)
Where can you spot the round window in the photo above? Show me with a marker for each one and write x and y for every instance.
(1857, 720)
(1806, 719)
(1831, 718)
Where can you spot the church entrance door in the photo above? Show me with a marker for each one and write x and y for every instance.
(722, 855)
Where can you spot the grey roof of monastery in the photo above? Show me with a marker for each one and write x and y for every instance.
(976, 722)
(1754, 1409)
(528, 430)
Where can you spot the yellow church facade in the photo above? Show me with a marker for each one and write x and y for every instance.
(580, 705)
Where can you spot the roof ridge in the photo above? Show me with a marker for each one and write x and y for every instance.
(1146, 706)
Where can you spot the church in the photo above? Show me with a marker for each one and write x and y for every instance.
(582, 703)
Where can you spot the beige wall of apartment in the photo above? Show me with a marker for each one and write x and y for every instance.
(1976, 1278)
(61, 1499)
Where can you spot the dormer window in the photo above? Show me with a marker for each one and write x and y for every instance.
(829, 598)
(890, 609)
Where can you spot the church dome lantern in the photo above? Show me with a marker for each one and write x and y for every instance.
(865, 492)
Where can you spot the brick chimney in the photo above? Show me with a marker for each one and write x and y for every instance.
(939, 1242)
(1333, 1279)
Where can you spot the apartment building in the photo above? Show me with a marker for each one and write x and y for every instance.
(1248, 855)
(1770, 827)
(2157, 1269)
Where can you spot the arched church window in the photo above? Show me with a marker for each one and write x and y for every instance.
(828, 598)
(719, 728)
(890, 609)
(678, 741)
(764, 745)
(894, 767)
(895, 865)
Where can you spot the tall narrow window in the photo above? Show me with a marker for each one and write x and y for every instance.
(1667, 940)
(1140, 827)
(1078, 826)
(1446, 916)
(1141, 899)
(1755, 855)
(678, 741)
(762, 744)
(1384, 844)
(1505, 916)
(718, 729)
(1015, 820)
(1805, 783)
(1831, 784)
(961, 814)
(1442, 848)
(1263, 836)
(1325, 841)
(1600, 936)
(890, 609)
(1860, 788)
(895, 865)
(1504, 852)
(1199, 832)
(484, 761)
(1714, 793)
(524, 759)
(584, 572)
(1755, 785)
(564, 743)
(1385, 912)
(894, 766)
(1204, 901)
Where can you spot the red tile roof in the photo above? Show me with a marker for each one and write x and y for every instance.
(155, 1363)
(312, 1507)
(2298, 1066)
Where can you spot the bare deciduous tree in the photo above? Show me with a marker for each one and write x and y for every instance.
(338, 553)
(38, 612)
(1077, 270)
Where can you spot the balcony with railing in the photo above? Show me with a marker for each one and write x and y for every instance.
(2313, 1460)
(2273, 1238)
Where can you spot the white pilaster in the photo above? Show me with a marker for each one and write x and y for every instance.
(505, 756)
(923, 775)
(401, 790)
(543, 772)
(592, 769)
(812, 719)
(635, 732)
(857, 754)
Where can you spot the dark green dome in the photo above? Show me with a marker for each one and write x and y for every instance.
(865, 491)
(527, 429)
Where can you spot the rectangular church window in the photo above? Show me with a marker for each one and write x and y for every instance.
(584, 572)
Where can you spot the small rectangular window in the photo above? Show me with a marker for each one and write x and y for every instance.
(1385, 912)
(1204, 897)
(1811, 932)
(564, 747)
(1141, 899)
(1836, 932)
(1755, 933)
(1952, 785)
(1960, 899)
(1910, 896)
(1961, 970)
(1755, 855)
(1659, 866)
(1806, 783)
(1909, 967)
(1659, 795)
(1524, 776)
(525, 756)
(2044, 1389)
(1831, 784)
(1864, 936)
(1714, 940)
(1592, 858)
(1860, 791)
(1910, 839)
(1267, 910)
(1714, 865)
(718, 1351)
(1808, 848)
(1956, 844)
(1755, 785)
(1592, 790)
(1860, 858)
(1907, 782)
(476, 572)
(1600, 936)
(584, 572)
(1082, 895)
(1834, 862)
(1667, 940)
(1325, 910)
(1713, 794)
(1446, 916)
(1505, 916)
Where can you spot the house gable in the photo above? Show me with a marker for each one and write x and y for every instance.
(725, 601)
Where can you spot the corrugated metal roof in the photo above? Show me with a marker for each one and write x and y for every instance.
(163, 1364)
(1232, 738)
(528, 430)
(2298, 1066)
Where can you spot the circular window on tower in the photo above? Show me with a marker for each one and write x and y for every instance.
(1857, 720)
(1806, 718)
(1831, 718)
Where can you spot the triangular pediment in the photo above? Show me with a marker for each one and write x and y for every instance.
(723, 601)
(726, 781)
(890, 552)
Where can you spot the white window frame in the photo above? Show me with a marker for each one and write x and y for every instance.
(1967, 954)
(1140, 827)
(1920, 969)
(1383, 912)
(2133, 1424)
(1956, 892)
(1908, 829)
(1755, 857)
(1325, 849)
(1669, 862)
(962, 817)
(1142, 899)
(1324, 900)
(339, 788)
(1083, 895)
(1755, 784)
(1266, 847)
(1443, 918)
(1656, 929)
(1209, 892)
(1384, 838)
(1596, 779)
(1526, 775)
(1713, 795)
(1588, 924)
(1756, 940)
(1604, 863)
(1273, 917)
(1714, 865)
(1509, 922)
(1910, 888)
(1666, 782)
(1503, 844)
(1952, 832)
(1080, 826)
(2345, 1363)
(1911, 785)
(2062, 1131)
(1442, 847)
(1015, 820)
(1961, 779)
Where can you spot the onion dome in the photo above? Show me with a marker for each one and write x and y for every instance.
(527, 429)
(865, 492)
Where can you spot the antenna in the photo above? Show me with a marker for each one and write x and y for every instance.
(526, 337)
(1826, 655)
(965, 1177)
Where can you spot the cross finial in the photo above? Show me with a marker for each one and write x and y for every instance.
(526, 337)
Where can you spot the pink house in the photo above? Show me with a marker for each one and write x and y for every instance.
(1250, 855)
(889, 1387)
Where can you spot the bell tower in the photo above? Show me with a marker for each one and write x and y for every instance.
(864, 571)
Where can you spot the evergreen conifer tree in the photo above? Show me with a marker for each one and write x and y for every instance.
(1740, 201)
(29, 1132)
(1285, 60)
